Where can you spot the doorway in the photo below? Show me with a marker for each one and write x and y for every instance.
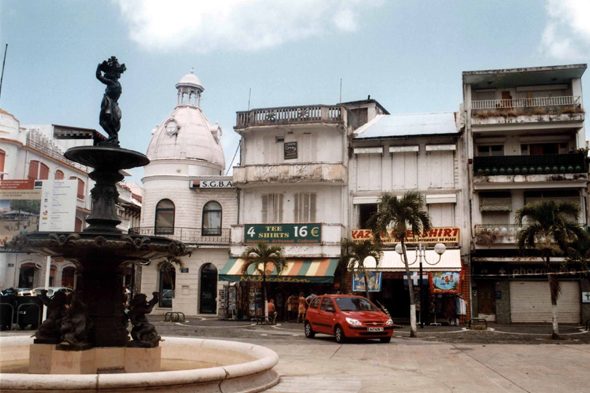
(208, 304)
(486, 300)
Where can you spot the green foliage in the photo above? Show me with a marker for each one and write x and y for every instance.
(355, 253)
(167, 269)
(261, 255)
(30, 206)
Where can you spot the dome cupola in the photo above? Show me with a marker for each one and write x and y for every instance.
(189, 90)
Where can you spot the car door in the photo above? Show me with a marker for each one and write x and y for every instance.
(326, 316)
(312, 313)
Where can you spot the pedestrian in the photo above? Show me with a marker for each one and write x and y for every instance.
(272, 311)
(302, 307)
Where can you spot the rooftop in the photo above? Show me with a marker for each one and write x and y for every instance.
(408, 124)
(528, 76)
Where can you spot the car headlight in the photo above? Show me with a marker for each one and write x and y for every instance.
(389, 322)
(353, 322)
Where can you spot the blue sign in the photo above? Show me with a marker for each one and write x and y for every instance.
(374, 280)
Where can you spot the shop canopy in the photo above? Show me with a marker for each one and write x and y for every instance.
(391, 261)
(297, 271)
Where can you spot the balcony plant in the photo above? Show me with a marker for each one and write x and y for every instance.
(549, 226)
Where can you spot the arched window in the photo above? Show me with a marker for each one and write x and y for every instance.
(81, 187)
(207, 303)
(33, 170)
(167, 283)
(79, 225)
(164, 218)
(59, 175)
(2, 159)
(211, 219)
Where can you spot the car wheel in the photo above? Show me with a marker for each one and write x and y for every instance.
(309, 333)
(339, 334)
(385, 340)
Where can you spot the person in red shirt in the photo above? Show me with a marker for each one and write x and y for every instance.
(272, 311)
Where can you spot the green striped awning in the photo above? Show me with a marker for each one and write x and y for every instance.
(297, 271)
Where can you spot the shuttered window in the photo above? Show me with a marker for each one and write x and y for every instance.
(2, 159)
(81, 187)
(33, 170)
(59, 175)
(304, 207)
(272, 208)
(43, 172)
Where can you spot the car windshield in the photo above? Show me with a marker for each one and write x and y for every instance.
(354, 304)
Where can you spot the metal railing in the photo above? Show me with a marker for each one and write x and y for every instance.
(186, 235)
(526, 102)
(41, 143)
(530, 165)
(290, 115)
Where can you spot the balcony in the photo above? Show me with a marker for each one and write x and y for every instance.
(290, 115)
(41, 143)
(496, 234)
(530, 169)
(299, 173)
(186, 235)
(527, 110)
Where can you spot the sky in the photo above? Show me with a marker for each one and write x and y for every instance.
(408, 55)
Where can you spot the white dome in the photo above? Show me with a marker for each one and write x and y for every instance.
(190, 80)
(187, 134)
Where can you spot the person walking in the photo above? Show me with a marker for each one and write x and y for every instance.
(302, 307)
(272, 311)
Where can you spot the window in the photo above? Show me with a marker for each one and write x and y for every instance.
(366, 210)
(490, 150)
(327, 304)
(81, 187)
(164, 218)
(79, 225)
(167, 284)
(59, 175)
(272, 208)
(543, 148)
(2, 159)
(315, 302)
(33, 170)
(43, 171)
(211, 219)
(208, 304)
(354, 304)
(305, 207)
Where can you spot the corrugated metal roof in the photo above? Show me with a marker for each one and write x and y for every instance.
(411, 124)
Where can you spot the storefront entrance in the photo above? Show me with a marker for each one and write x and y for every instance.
(208, 304)
(486, 299)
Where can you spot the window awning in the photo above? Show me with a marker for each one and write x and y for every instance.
(297, 271)
(392, 262)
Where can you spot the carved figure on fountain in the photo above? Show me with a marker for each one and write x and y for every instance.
(144, 334)
(109, 72)
(49, 331)
(75, 324)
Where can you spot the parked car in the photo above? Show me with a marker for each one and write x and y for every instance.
(347, 316)
(51, 290)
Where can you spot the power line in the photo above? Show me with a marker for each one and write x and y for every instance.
(3, 63)
(233, 159)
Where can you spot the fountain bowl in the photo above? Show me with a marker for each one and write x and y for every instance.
(189, 364)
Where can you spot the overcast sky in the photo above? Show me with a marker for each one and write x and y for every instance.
(406, 54)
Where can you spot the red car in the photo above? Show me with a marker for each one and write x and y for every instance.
(347, 316)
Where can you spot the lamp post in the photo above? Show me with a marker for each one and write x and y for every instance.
(440, 249)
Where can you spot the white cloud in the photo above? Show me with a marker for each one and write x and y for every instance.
(567, 34)
(246, 25)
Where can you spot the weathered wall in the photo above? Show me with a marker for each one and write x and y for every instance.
(503, 304)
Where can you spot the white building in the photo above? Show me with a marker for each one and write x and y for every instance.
(523, 129)
(36, 153)
(188, 198)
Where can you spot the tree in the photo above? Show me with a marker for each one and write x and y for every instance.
(265, 259)
(401, 214)
(355, 253)
(549, 226)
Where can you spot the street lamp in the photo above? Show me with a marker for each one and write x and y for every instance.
(440, 249)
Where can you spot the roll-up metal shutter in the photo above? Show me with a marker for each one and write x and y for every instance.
(530, 301)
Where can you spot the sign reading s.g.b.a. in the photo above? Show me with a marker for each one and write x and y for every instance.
(211, 184)
(283, 233)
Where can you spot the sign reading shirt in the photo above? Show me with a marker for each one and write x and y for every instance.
(447, 235)
(374, 280)
(445, 282)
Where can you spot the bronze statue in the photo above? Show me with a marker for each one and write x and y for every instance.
(75, 324)
(110, 113)
(49, 331)
(143, 333)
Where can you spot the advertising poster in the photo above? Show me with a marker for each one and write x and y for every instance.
(20, 203)
(445, 282)
(374, 280)
(58, 206)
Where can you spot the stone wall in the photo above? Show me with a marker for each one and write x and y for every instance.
(503, 304)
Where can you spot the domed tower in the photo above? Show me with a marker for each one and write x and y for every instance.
(188, 198)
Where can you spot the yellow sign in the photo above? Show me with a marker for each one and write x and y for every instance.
(435, 235)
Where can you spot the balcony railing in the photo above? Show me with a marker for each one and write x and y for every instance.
(530, 165)
(186, 235)
(526, 103)
(496, 233)
(41, 143)
(290, 115)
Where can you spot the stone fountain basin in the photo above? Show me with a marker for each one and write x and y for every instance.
(197, 366)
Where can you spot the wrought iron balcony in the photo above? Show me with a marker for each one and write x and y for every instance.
(530, 165)
(186, 235)
(496, 233)
(290, 115)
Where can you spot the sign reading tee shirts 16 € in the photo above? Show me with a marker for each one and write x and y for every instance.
(445, 282)
(283, 233)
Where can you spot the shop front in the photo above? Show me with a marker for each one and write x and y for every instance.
(243, 295)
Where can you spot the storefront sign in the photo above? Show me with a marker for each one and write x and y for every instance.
(283, 233)
(435, 235)
(374, 280)
(211, 184)
(290, 149)
(298, 280)
(445, 282)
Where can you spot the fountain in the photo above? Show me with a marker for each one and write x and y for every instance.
(85, 338)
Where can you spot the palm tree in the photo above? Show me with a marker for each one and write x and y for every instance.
(265, 259)
(354, 256)
(545, 223)
(401, 214)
